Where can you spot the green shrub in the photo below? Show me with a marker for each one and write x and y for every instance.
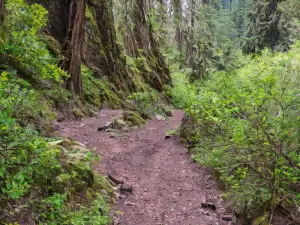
(24, 104)
(183, 93)
(98, 91)
(94, 214)
(53, 174)
(40, 178)
(146, 103)
(246, 125)
(22, 44)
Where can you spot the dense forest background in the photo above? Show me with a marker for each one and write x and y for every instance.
(232, 65)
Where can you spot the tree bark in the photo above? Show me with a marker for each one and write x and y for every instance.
(1, 11)
(190, 53)
(177, 18)
(140, 42)
(73, 45)
(103, 53)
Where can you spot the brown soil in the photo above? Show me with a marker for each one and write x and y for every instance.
(168, 188)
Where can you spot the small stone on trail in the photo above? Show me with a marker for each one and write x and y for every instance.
(159, 117)
(122, 196)
(115, 180)
(117, 188)
(116, 221)
(129, 203)
(209, 205)
(126, 188)
(105, 127)
(227, 217)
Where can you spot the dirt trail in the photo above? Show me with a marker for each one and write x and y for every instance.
(168, 188)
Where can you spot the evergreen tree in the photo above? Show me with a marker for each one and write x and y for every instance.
(266, 29)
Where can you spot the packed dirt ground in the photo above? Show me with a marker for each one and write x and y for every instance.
(168, 188)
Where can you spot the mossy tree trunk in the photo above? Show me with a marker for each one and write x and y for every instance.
(140, 42)
(177, 20)
(266, 28)
(1, 11)
(73, 45)
(93, 41)
(66, 21)
(190, 49)
(102, 51)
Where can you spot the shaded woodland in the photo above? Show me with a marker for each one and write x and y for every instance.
(232, 65)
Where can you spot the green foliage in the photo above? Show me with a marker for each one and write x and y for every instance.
(246, 125)
(23, 103)
(55, 212)
(173, 57)
(215, 41)
(21, 42)
(29, 164)
(148, 103)
(144, 102)
(94, 214)
(266, 19)
(91, 86)
(137, 64)
(290, 10)
(98, 91)
(157, 19)
(183, 94)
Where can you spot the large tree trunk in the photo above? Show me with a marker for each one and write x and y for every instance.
(140, 42)
(66, 23)
(177, 18)
(265, 28)
(73, 45)
(102, 51)
(190, 49)
(1, 11)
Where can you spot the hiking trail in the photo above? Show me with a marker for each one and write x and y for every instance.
(168, 188)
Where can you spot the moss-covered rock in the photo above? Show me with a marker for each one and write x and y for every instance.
(78, 113)
(52, 44)
(133, 118)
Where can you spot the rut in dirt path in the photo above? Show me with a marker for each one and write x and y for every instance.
(167, 187)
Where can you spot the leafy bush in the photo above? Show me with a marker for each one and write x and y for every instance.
(22, 45)
(183, 93)
(41, 176)
(95, 214)
(38, 180)
(148, 103)
(246, 125)
(24, 104)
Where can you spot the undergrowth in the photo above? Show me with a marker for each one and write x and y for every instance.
(149, 103)
(41, 182)
(245, 124)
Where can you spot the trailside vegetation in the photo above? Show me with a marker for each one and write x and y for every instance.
(232, 65)
(245, 124)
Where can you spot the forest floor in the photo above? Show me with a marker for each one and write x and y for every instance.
(168, 188)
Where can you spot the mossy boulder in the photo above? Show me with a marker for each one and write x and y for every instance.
(263, 220)
(133, 118)
(78, 113)
(127, 119)
(52, 44)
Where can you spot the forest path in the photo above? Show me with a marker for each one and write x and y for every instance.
(168, 188)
